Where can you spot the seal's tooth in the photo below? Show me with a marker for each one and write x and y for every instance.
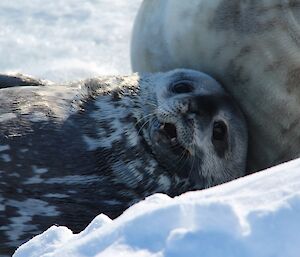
(191, 151)
(173, 140)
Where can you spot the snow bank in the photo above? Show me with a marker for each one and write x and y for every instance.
(253, 216)
(64, 40)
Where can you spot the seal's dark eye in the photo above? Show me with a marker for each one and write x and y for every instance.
(182, 87)
(219, 138)
(219, 131)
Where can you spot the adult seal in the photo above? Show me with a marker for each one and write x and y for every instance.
(251, 47)
(70, 152)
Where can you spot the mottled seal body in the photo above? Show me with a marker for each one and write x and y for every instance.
(252, 47)
(70, 152)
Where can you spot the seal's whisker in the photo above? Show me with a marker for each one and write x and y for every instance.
(146, 116)
(141, 128)
(184, 154)
(147, 121)
(152, 104)
(192, 167)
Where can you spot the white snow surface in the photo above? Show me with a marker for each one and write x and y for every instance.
(257, 215)
(64, 40)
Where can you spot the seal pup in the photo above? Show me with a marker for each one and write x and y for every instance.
(70, 152)
(251, 47)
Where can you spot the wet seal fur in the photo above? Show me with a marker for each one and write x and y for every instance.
(251, 47)
(70, 152)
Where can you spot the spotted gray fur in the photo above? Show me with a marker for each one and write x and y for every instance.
(70, 152)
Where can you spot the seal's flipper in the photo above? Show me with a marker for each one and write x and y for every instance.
(18, 80)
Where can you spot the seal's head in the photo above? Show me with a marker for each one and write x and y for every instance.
(195, 128)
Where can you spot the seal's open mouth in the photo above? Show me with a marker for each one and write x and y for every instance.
(170, 131)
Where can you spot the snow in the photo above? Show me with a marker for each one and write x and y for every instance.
(254, 216)
(64, 40)
(257, 215)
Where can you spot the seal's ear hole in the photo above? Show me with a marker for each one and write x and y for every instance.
(219, 132)
(182, 87)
